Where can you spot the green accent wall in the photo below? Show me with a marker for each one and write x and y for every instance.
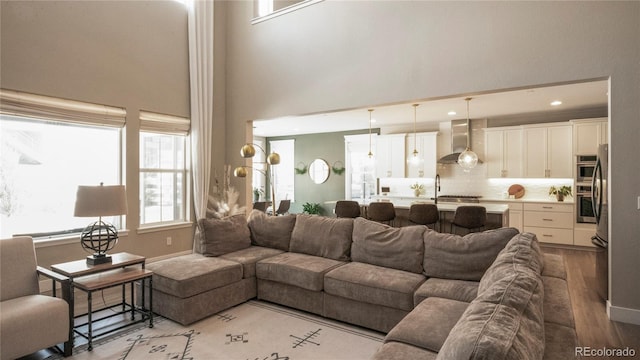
(326, 146)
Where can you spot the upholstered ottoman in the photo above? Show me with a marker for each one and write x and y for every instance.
(191, 287)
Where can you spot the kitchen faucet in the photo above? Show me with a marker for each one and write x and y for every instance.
(436, 188)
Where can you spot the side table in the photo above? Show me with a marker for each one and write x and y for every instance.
(124, 269)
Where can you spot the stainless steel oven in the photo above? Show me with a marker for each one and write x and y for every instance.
(584, 204)
(585, 167)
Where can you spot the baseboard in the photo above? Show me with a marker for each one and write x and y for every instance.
(625, 315)
(45, 284)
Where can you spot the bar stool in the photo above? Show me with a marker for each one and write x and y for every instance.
(382, 212)
(261, 205)
(470, 217)
(347, 209)
(424, 214)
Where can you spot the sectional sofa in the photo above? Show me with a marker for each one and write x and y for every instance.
(485, 295)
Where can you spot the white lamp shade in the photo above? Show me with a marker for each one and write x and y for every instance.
(92, 201)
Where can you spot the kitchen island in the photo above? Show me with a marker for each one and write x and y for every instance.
(497, 214)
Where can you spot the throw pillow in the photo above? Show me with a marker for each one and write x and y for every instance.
(450, 256)
(271, 231)
(222, 236)
(322, 236)
(383, 245)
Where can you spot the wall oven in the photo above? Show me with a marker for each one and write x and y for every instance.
(584, 204)
(585, 167)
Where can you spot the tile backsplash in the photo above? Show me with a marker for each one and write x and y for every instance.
(455, 181)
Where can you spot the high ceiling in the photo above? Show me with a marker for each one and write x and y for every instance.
(577, 96)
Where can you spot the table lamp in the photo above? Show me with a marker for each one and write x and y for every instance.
(99, 237)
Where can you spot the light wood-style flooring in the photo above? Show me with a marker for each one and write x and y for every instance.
(593, 327)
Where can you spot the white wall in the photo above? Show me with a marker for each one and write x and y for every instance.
(345, 54)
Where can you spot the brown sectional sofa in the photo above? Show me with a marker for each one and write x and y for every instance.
(484, 295)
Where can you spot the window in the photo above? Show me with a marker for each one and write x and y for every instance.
(163, 169)
(283, 173)
(360, 178)
(43, 162)
(49, 146)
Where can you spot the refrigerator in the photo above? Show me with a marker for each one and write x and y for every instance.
(600, 210)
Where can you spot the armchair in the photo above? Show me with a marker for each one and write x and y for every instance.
(30, 321)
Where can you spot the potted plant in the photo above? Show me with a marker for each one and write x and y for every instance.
(311, 208)
(257, 192)
(417, 189)
(560, 192)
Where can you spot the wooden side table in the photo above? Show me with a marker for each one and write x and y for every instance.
(124, 269)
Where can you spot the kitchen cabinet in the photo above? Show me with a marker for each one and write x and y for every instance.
(515, 212)
(582, 234)
(551, 222)
(548, 151)
(588, 134)
(503, 156)
(427, 146)
(389, 156)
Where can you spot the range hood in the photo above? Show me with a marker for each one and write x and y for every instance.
(460, 131)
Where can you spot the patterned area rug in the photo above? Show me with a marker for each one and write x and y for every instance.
(254, 330)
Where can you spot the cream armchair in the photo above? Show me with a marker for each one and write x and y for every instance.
(29, 321)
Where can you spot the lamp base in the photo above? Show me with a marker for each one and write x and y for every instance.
(98, 259)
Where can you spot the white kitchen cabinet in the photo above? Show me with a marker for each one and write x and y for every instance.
(389, 156)
(588, 134)
(427, 146)
(503, 156)
(582, 234)
(548, 151)
(551, 222)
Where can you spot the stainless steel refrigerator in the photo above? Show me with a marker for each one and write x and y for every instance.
(601, 238)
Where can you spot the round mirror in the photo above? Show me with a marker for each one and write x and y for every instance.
(319, 171)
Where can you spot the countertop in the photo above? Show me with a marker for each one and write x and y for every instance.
(394, 198)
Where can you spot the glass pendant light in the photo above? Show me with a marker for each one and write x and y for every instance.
(468, 159)
(414, 159)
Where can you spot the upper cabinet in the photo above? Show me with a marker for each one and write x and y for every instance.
(588, 134)
(426, 144)
(548, 151)
(504, 152)
(390, 155)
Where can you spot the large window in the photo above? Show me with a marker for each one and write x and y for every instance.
(163, 169)
(42, 164)
(283, 173)
(162, 178)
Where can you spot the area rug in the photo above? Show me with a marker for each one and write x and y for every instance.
(254, 330)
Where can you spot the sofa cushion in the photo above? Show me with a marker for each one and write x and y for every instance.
(373, 284)
(379, 244)
(554, 266)
(249, 257)
(301, 270)
(451, 256)
(461, 290)
(520, 255)
(396, 350)
(221, 236)
(505, 321)
(188, 275)
(557, 304)
(322, 236)
(271, 231)
(560, 342)
(429, 324)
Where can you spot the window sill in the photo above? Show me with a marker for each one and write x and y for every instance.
(162, 227)
(69, 239)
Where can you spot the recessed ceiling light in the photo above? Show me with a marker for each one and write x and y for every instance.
(451, 113)
(556, 103)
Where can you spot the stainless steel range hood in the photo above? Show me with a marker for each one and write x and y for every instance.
(460, 131)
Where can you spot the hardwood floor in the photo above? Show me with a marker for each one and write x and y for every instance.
(593, 327)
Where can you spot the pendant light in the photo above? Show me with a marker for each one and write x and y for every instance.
(414, 159)
(468, 159)
(370, 153)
